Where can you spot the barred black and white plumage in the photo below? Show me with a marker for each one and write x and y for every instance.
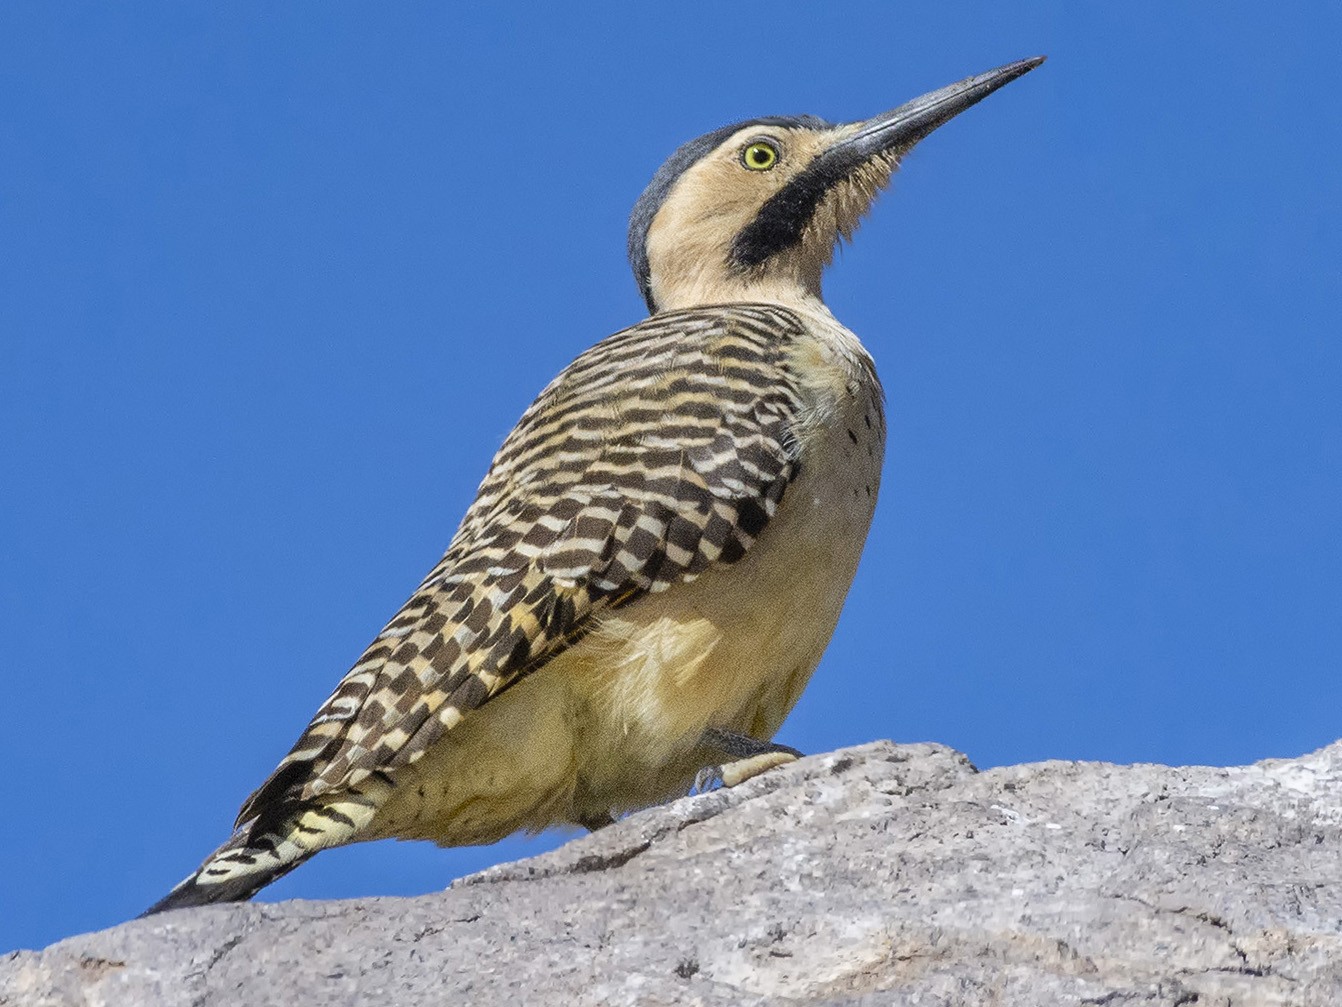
(658, 554)
(657, 453)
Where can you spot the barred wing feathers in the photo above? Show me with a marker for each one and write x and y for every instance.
(659, 453)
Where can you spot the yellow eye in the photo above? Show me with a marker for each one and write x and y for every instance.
(760, 156)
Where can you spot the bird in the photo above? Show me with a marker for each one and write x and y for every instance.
(659, 552)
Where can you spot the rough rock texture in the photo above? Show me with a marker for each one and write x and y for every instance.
(882, 874)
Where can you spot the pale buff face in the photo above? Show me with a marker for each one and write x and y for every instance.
(690, 240)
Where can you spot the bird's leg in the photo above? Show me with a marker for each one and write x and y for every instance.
(598, 820)
(747, 757)
(742, 746)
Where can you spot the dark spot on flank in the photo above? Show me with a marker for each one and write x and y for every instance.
(732, 550)
(852, 436)
(751, 518)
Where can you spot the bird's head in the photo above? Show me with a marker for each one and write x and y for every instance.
(753, 211)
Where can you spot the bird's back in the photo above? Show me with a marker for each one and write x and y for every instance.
(656, 458)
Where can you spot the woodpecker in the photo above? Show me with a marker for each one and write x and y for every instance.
(658, 554)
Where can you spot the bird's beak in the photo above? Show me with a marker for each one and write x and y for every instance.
(899, 129)
(873, 147)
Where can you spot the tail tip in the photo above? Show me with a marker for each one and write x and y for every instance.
(191, 894)
(187, 895)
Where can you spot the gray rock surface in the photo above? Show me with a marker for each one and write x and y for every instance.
(884, 874)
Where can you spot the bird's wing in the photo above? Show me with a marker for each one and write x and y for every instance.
(657, 454)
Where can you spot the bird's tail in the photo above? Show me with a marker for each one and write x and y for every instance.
(233, 873)
(257, 855)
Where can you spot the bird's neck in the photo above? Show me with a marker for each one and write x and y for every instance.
(701, 288)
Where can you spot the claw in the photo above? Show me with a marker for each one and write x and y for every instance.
(741, 770)
(707, 779)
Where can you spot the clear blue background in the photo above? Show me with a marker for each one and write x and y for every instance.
(276, 281)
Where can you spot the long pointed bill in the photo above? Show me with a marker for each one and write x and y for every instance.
(900, 128)
(784, 217)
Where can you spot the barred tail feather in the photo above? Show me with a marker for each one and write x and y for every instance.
(250, 861)
(233, 873)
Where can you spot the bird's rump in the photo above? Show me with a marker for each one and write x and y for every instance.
(660, 452)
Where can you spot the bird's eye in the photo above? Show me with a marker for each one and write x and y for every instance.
(760, 156)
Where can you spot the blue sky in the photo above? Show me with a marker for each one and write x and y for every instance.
(276, 281)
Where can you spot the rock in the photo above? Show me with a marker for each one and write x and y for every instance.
(884, 874)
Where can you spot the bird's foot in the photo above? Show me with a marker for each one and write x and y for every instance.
(752, 757)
